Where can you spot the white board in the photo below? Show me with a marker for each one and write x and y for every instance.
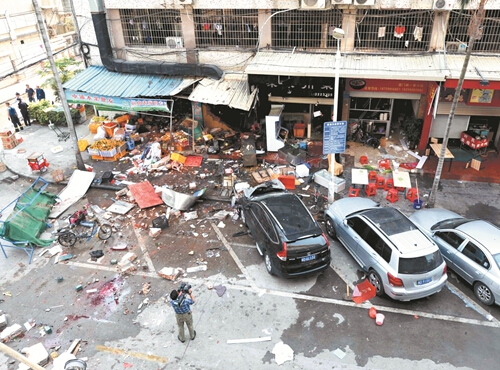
(78, 185)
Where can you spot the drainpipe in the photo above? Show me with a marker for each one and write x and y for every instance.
(156, 68)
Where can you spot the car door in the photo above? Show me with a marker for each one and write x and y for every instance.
(448, 242)
(472, 262)
(262, 229)
(350, 234)
(370, 249)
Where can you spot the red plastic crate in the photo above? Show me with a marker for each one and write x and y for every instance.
(288, 181)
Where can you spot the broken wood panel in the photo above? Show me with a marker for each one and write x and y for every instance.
(144, 194)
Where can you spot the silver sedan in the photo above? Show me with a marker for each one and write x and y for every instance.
(470, 247)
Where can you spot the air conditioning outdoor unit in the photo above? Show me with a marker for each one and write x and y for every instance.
(341, 2)
(364, 2)
(456, 47)
(443, 4)
(312, 4)
(174, 42)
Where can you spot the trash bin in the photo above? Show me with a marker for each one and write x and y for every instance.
(417, 203)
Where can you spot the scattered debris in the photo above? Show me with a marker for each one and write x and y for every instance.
(145, 288)
(283, 352)
(363, 292)
(3, 321)
(379, 319)
(37, 354)
(339, 353)
(10, 332)
(170, 273)
(220, 289)
(197, 268)
(248, 340)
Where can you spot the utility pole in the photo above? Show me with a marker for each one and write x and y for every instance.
(43, 32)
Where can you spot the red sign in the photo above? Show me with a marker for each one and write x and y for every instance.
(389, 86)
(473, 84)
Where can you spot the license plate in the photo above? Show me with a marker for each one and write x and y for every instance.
(423, 282)
(308, 258)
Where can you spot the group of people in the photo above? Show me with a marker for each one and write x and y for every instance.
(23, 107)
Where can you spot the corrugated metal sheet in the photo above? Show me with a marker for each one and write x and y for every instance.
(488, 65)
(98, 80)
(408, 67)
(232, 91)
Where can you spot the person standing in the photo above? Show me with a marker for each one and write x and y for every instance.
(31, 93)
(12, 115)
(181, 300)
(40, 94)
(23, 107)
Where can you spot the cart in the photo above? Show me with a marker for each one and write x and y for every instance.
(37, 162)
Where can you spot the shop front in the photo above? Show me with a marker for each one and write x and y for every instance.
(477, 115)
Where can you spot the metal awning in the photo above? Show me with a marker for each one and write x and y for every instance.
(98, 80)
(232, 90)
(488, 66)
(429, 67)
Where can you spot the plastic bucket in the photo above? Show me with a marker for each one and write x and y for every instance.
(109, 127)
(417, 203)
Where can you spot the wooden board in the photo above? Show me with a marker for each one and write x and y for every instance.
(144, 194)
(264, 175)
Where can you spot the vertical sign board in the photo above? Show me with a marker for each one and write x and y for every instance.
(334, 137)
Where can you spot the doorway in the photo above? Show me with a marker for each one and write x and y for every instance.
(401, 109)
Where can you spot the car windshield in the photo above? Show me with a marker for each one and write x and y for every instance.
(290, 213)
(420, 265)
(496, 257)
(450, 223)
(390, 220)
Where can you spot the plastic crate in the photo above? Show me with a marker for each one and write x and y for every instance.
(108, 153)
(288, 181)
(94, 152)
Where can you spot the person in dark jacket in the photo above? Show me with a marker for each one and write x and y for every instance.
(12, 115)
(23, 107)
(40, 94)
(31, 93)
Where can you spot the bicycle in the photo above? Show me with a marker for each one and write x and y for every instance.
(319, 201)
(68, 236)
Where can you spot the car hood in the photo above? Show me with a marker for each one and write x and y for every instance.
(268, 186)
(347, 206)
(426, 218)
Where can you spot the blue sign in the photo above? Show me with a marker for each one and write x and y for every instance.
(334, 137)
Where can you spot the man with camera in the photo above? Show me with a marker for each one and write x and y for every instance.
(181, 300)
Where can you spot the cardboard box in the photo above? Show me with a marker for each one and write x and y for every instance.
(6, 133)
(9, 142)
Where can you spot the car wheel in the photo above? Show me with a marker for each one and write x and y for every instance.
(105, 232)
(483, 293)
(330, 229)
(269, 263)
(67, 239)
(376, 281)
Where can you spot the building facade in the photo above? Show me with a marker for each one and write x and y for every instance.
(398, 58)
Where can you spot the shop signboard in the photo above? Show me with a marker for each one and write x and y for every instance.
(334, 137)
(104, 102)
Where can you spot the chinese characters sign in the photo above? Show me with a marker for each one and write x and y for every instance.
(392, 86)
(334, 137)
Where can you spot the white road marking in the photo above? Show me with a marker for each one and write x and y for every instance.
(452, 288)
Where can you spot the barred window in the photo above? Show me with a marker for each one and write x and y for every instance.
(151, 26)
(457, 36)
(305, 30)
(226, 27)
(385, 30)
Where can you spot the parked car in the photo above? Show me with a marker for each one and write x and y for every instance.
(399, 259)
(291, 241)
(470, 247)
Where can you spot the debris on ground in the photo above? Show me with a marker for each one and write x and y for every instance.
(36, 354)
(145, 288)
(283, 352)
(170, 273)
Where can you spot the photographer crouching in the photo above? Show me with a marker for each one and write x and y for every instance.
(181, 300)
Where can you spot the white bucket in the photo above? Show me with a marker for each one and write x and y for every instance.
(379, 319)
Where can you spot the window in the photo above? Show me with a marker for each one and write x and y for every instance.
(390, 220)
(262, 218)
(420, 265)
(305, 30)
(458, 31)
(408, 30)
(226, 27)
(474, 253)
(151, 27)
(378, 244)
(451, 238)
(358, 225)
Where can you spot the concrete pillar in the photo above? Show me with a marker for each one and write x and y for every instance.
(349, 27)
(265, 29)
(116, 30)
(188, 31)
(439, 28)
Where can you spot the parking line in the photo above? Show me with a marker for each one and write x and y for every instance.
(139, 355)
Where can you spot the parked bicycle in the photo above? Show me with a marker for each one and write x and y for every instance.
(68, 236)
(319, 200)
(360, 134)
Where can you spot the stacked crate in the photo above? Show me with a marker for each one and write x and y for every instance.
(9, 140)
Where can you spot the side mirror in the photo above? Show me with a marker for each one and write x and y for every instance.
(345, 223)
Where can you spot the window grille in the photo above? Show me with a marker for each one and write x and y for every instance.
(458, 31)
(305, 29)
(226, 27)
(388, 30)
(151, 27)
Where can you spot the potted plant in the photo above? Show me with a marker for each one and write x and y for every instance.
(412, 129)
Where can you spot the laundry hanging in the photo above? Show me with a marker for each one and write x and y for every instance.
(417, 33)
(381, 32)
(399, 31)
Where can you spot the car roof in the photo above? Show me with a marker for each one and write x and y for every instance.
(484, 232)
(413, 243)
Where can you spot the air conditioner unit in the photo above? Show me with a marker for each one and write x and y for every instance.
(174, 42)
(341, 2)
(456, 47)
(185, 2)
(443, 4)
(364, 2)
(312, 4)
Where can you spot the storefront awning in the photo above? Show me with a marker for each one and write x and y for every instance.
(123, 91)
(407, 67)
(232, 91)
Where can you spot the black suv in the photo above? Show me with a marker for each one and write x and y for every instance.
(286, 234)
